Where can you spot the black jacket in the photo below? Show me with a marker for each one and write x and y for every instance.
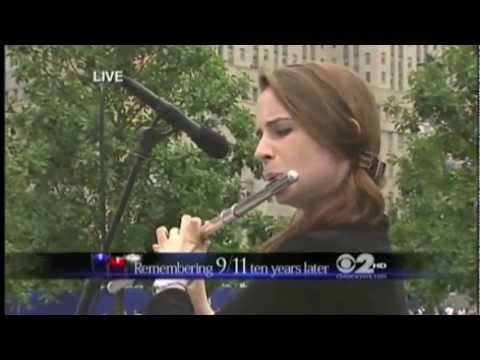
(310, 296)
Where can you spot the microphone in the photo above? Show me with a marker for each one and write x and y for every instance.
(206, 139)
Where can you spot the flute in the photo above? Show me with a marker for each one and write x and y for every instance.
(225, 217)
(249, 203)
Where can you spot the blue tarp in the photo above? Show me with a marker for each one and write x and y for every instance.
(136, 301)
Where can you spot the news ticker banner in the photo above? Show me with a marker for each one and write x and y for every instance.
(313, 266)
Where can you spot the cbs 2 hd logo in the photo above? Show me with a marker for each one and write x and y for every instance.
(362, 264)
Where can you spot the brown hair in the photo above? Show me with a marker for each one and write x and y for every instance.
(337, 109)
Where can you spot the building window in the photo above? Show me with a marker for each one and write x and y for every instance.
(400, 144)
(389, 142)
(230, 54)
(392, 65)
(435, 47)
(255, 57)
(356, 52)
(390, 198)
(313, 55)
(367, 76)
(275, 55)
(367, 58)
(400, 51)
(409, 63)
(390, 172)
(334, 60)
(295, 59)
(400, 69)
(304, 53)
(265, 55)
(384, 77)
(334, 46)
(345, 55)
(242, 54)
(321, 46)
(220, 50)
(284, 54)
(255, 93)
(383, 58)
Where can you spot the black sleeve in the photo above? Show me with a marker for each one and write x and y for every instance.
(170, 302)
(269, 297)
(322, 296)
(318, 297)
(264, 297)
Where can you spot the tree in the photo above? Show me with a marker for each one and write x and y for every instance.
(437, 209)
(53, 183)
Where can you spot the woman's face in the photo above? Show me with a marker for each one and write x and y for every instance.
(284, 145)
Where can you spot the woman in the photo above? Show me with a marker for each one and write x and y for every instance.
(322, 121)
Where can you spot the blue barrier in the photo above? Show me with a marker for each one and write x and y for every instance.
(136, 301)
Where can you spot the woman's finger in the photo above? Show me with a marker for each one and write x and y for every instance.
(162, 233)
(196, 220)
(173, 232)
(184, 223)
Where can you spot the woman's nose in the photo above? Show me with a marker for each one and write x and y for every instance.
(264, 150)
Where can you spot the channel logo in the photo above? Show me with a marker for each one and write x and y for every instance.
(362, 264)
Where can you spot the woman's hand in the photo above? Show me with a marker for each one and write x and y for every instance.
(189, 238)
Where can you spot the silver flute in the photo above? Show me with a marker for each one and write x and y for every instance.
(227, 216)
(249, 203)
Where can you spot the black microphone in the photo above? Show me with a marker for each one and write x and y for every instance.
(206, 139)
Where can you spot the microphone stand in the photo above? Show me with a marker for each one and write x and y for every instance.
(148, 137)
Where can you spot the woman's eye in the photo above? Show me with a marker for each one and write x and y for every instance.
(283, 132)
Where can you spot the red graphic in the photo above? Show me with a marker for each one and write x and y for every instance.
(117, 263)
